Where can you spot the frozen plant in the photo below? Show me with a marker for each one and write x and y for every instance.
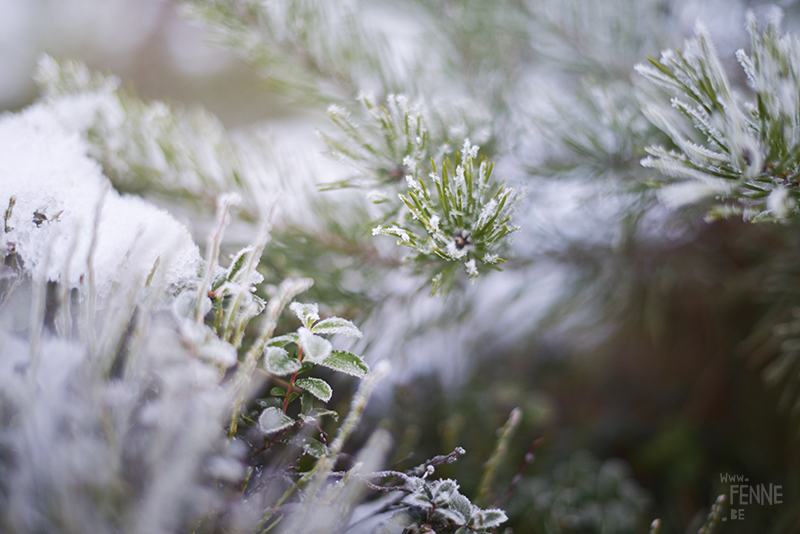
(133, 369)
(741, 152)
(584, 494)
(466, 221)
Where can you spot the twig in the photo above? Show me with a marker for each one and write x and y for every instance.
(529, 456)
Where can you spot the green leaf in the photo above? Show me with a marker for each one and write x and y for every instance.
(310, 446)
(277, 392)
(346, 362)
(277, 362)
(268, 402)
(316, 413)
(273, 420)
(491, 518)
(282, 341)
(317, 387)
(238, 263)
(444, 491)
(306, 403)
(336, 325)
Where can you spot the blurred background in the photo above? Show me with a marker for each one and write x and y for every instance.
(637, 342)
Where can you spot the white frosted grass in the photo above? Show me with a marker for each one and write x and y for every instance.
(45, 167)
(136, 446)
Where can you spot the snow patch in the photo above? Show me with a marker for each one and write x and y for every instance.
(58, 190)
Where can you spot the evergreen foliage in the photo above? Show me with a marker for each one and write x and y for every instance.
(744, 151)
(146, 387)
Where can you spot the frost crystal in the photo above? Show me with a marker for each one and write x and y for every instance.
(470, 151)
(472, 270)
(454, 252)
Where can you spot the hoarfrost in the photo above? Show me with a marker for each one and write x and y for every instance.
(278, 362)
(337, 325)
(272, 420)
(472, 269)
(58, 190)
(780, 203)
(346, 362)
(469, 150)
(307, 313)
(315, 348)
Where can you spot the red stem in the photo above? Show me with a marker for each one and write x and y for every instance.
(291, 381)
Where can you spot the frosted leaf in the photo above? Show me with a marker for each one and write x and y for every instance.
(307, 313)
(463, 506)
(491, 259)
(315, 348)
(310, 446)
(421, 496)
(273, 420)
(346, 362)
(317, 387)
(444, 491)
(277, 362)
(337, 325)
(490, 518)
(237, 267)
(452, 515)
(377, 230)
(316, 413)
(282, 341)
